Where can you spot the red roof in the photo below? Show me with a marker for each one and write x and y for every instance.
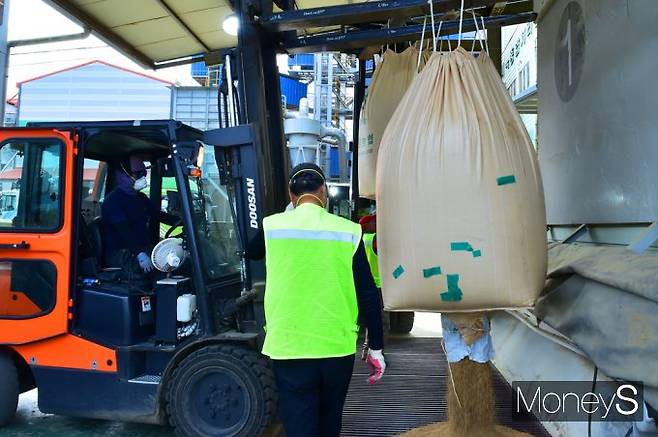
(96, 61)
(14, 173)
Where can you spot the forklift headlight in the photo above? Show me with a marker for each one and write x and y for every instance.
(231, 25)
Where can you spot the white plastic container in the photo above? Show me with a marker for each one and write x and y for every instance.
(185, 307)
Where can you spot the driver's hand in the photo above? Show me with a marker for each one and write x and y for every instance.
(145, 262)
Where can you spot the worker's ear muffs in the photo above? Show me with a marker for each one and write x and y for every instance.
(291, 181)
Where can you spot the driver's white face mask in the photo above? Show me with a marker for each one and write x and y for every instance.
(140, 183)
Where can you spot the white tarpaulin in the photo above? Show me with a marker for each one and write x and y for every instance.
(605, 299)
(461, 218)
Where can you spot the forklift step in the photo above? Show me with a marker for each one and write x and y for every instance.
(412, 393)
(146, 379)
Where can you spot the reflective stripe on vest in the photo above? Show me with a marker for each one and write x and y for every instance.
(372, 258)
(301, 234)
(310, 301)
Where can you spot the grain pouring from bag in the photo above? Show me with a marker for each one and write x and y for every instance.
(462, 223)
(389, 83)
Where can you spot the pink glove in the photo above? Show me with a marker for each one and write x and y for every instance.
(376, 364)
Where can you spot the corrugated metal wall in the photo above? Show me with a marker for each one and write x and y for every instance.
(199, 69)
(293, 90)
(196, 106)
(98, 91)
(302, 60)
(94, 92)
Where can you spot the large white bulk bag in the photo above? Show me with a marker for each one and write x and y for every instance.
(461, 218)
(390, 81)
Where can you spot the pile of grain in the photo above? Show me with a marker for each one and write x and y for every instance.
(471, 413)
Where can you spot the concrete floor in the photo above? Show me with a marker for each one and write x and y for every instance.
(30, 422)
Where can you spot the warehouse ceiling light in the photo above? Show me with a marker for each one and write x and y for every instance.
(231, 25)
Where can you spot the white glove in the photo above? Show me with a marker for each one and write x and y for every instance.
(376, 364)
(145, 262)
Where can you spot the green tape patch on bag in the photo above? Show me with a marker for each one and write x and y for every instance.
(466, 247)
(399, 270)
(461, 245)
(454, 293)
(432, 271)
(504, 180)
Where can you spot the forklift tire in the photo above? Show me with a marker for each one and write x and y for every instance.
(401, 322)
(9, 389)
(221, 390)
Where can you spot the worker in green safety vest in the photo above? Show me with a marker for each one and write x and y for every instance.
(399, 322)
(318, 280)
(369, 226)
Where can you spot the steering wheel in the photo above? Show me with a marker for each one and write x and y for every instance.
(170, 231)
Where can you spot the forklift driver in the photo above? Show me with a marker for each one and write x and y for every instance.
(126, 214)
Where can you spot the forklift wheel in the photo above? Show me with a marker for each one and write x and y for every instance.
(9, 388)
(401, 322)
(221, 390)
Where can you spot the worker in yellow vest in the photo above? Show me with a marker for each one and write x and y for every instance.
(369, 227)
(318, 280)
(398, 322)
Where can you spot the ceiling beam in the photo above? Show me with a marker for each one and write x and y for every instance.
(366, 12)
(356, 40)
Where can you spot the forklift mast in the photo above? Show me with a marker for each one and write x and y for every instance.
(254, 160)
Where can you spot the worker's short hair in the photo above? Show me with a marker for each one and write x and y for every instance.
(306, 178)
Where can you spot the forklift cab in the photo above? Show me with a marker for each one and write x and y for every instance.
(137, 348)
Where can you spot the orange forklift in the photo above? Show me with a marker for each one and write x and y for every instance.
(180, 347)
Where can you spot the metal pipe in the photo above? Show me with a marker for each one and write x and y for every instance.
(229, 81)
(49, 39)
(342, 148)
(187, 60)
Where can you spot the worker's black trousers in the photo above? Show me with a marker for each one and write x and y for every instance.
(312, 394)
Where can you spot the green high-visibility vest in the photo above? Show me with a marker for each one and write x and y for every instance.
(372, 258)
(310, 300)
